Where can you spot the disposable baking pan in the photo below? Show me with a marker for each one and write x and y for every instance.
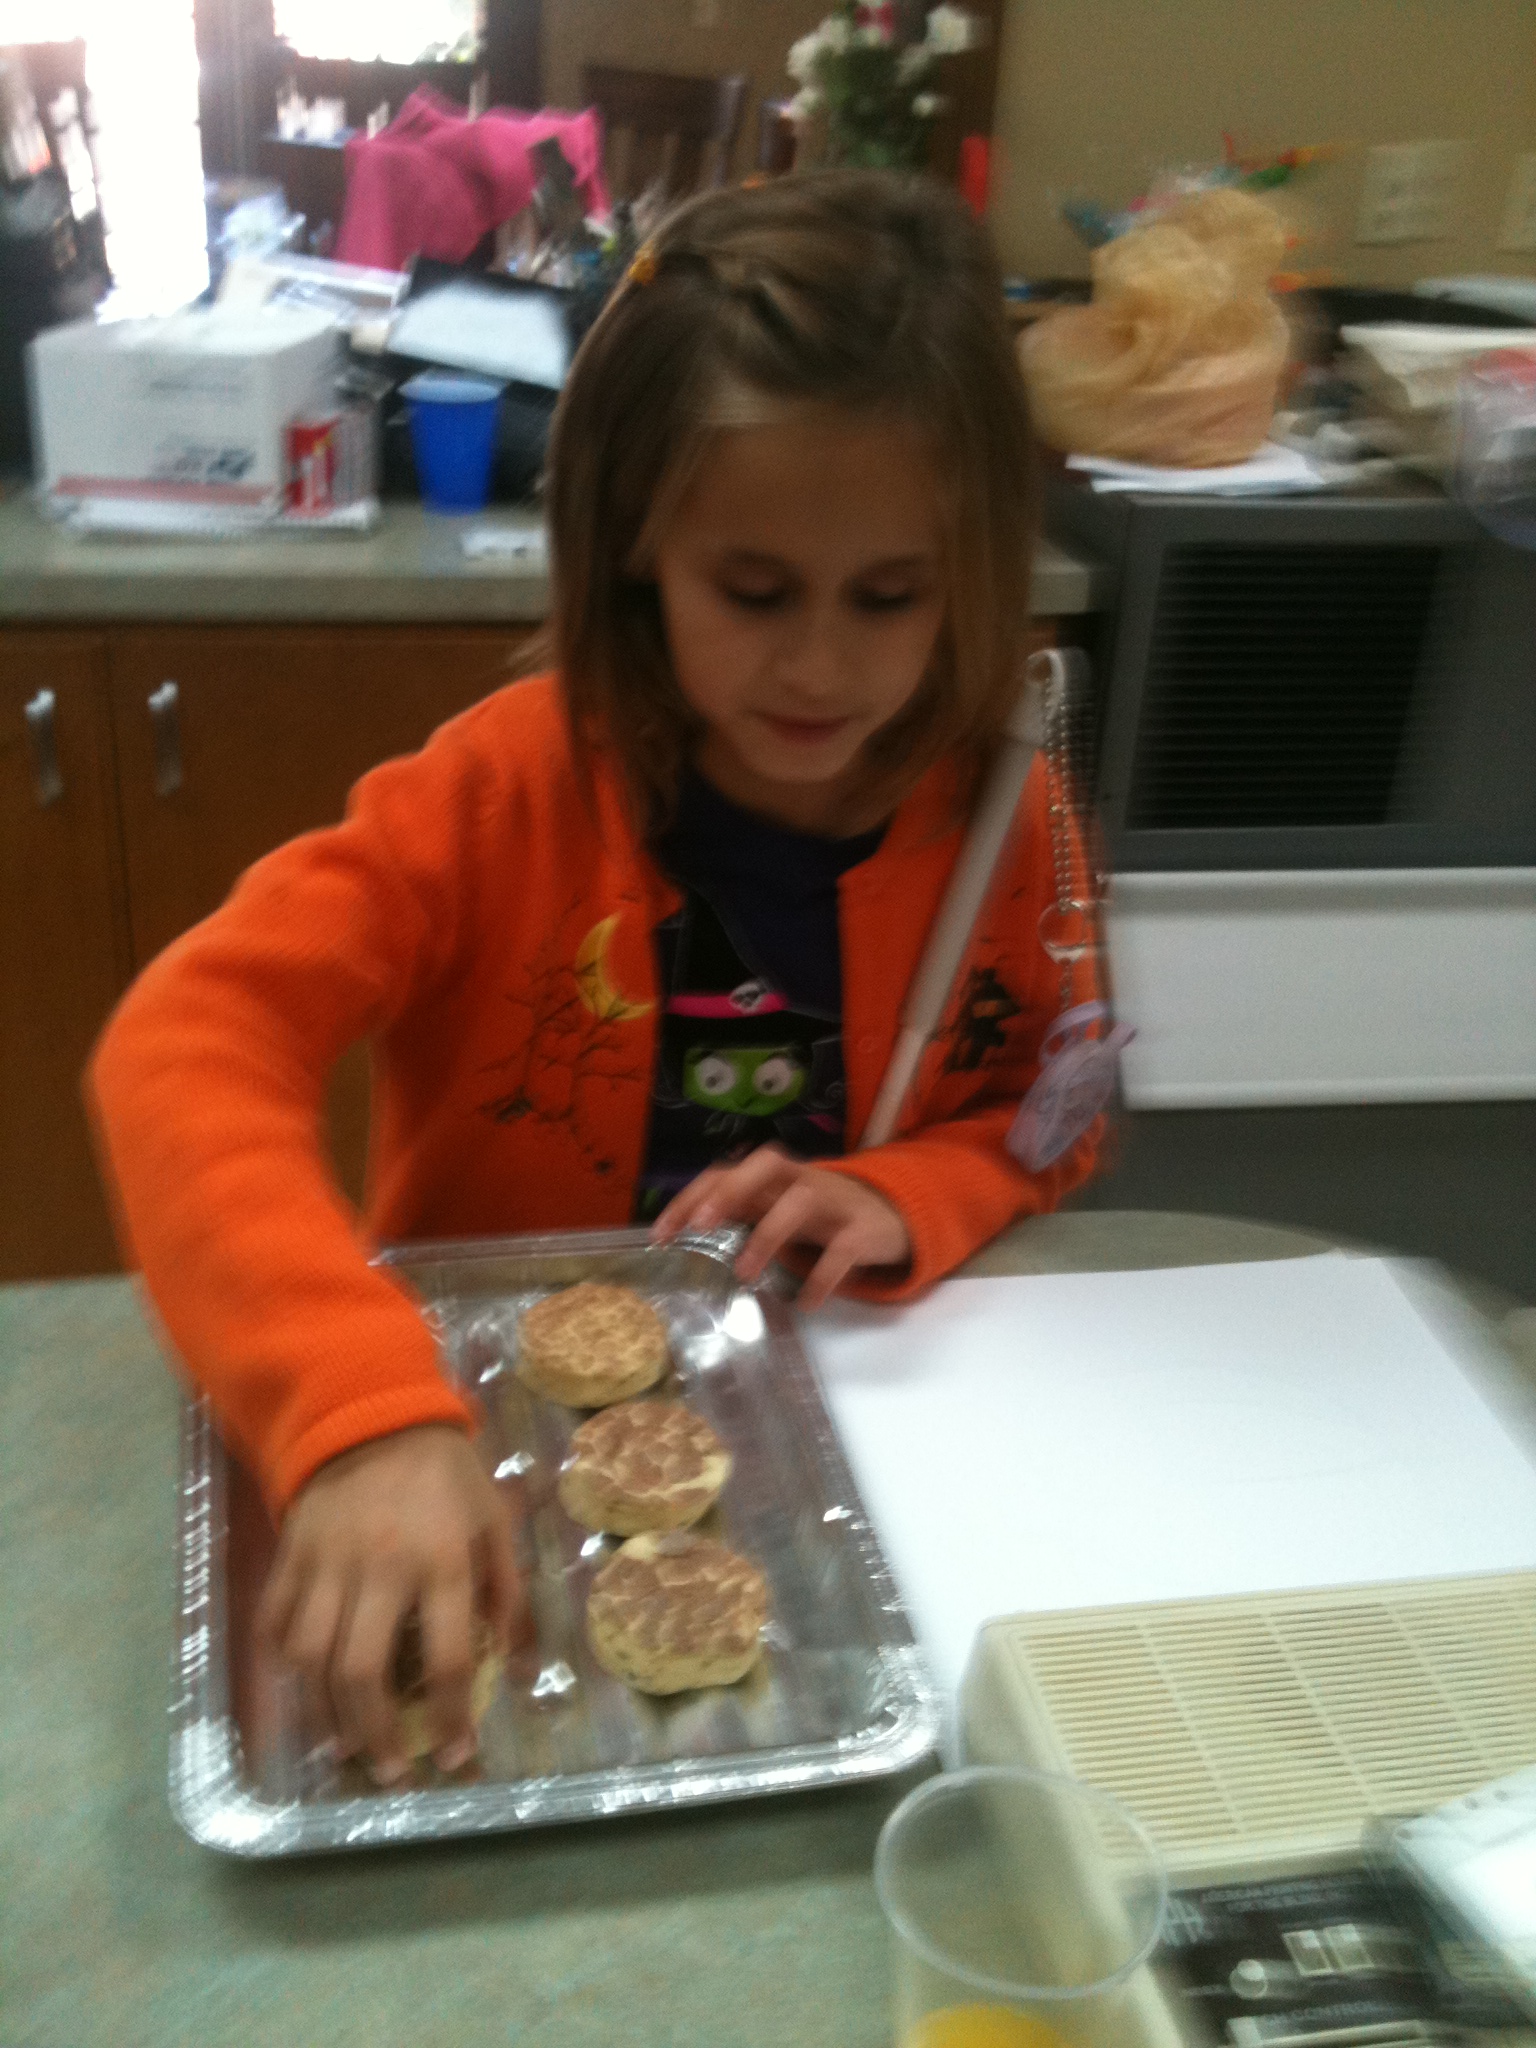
(840, 1694)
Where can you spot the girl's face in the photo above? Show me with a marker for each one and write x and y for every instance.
(802, 585)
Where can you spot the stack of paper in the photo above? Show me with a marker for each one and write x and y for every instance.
(1272, 471)
(1086, 1439)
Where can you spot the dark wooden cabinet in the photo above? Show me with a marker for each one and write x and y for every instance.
(64, 951)
(231, 740)
(183, 754)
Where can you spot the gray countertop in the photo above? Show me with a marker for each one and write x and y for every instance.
(755, 1924)
(412, 567)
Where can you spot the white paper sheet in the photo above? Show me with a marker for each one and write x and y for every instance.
(473, 326)
(1079, 1440)
(1272, 469)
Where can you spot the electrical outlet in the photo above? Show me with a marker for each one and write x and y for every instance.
(1409, 192)
(1518, 229)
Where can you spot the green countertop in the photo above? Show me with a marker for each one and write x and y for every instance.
(412, 567)
(742, 1925)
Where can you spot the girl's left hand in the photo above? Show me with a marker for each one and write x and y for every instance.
(792, 1202)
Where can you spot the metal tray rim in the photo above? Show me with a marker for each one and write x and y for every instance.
(215, 1809)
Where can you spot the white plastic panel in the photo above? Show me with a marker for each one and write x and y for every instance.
(1366, 985)
(1261, 1733)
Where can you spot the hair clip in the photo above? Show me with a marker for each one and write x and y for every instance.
(642, 269)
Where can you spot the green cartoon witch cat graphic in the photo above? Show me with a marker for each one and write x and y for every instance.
(738, 1065)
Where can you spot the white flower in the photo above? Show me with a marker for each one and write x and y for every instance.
(927, 104)
(913, 62)
(836, 33)
(805, 103)
(871, 38)
(952, 29)
(803, 56)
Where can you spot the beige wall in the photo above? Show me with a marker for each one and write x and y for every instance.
(1098, 95)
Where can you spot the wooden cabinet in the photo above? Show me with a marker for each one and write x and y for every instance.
(231, 740)
(184, 753)
(64, 954)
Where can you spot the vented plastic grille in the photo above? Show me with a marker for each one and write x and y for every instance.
(1244, 1730)
(1280, 685)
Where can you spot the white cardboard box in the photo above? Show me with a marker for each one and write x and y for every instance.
(189, 409)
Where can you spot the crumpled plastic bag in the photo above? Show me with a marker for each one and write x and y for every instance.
(1495, 474)
(1178, 358)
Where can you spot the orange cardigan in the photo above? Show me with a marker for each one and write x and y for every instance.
(489, 932)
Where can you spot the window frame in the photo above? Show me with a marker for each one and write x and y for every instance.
(238, 63)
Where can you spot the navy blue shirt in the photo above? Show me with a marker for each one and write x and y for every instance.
(750, 973)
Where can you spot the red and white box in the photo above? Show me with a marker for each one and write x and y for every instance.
(312, 463)
(192, 409)
(331, 461)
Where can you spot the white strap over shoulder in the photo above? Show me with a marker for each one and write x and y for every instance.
(1047, 680)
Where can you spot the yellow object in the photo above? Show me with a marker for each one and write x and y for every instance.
(1178, 359)
(591, 970)
(980, 2026)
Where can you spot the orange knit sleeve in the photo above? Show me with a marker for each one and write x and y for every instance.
(206, 1094)
(956, 1186)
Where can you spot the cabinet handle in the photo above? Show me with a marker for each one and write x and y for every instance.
(46, 779)
(165, 716)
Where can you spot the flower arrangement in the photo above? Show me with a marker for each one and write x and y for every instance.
(873, 83)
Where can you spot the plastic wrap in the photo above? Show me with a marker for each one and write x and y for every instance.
(840, 1694)
(1496, 443)
(1178, 358)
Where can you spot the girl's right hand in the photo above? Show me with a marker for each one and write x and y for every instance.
(792, 1202)
(407, 1521)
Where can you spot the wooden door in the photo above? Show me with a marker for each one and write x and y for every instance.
(232, 739)
(64, 954)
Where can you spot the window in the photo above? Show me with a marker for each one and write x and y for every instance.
(141, 68)
(396, 31)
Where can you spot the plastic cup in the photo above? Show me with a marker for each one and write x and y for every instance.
(453, 438)
(1022, 1909)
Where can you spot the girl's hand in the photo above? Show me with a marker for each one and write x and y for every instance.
(792, 1202)
(408, 1521)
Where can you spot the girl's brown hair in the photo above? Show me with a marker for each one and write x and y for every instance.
(846, 288)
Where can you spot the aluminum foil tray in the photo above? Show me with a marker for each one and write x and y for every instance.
(841, 1693)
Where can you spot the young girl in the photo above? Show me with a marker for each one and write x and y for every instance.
(617, 927)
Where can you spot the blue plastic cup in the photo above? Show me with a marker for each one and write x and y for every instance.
(453, 437)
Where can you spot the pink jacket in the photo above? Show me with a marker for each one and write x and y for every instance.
(435, 181)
